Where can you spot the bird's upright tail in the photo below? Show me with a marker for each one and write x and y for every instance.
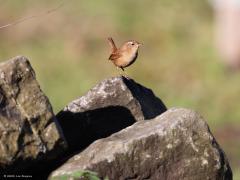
(112, 44)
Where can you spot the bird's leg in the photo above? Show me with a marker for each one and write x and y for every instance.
(119, 72)
(124, 73)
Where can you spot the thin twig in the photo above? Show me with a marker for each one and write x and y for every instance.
(33, 16)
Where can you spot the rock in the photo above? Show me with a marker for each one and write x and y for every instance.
(110, 106)
(29, 132)
(175, 145)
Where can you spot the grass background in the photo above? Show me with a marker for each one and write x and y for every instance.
(179, 62)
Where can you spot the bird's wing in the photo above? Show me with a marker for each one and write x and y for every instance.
(114, 56)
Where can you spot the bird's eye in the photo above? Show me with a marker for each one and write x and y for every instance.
(132, 43)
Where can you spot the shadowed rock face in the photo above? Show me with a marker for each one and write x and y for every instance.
(109, 107)
(28, 131)
(175, 145)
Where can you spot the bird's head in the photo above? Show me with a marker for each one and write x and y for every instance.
(131, 46)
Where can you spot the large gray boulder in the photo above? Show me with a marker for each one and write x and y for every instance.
(175, 145)
(29, 133)
(110, 106)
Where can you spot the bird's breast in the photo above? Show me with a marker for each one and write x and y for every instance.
(126, 59)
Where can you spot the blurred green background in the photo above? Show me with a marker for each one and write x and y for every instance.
(179, 62)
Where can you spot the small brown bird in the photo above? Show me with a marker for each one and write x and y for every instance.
(125, 55)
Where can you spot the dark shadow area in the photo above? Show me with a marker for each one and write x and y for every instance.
(81, 129)
(151, 105)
